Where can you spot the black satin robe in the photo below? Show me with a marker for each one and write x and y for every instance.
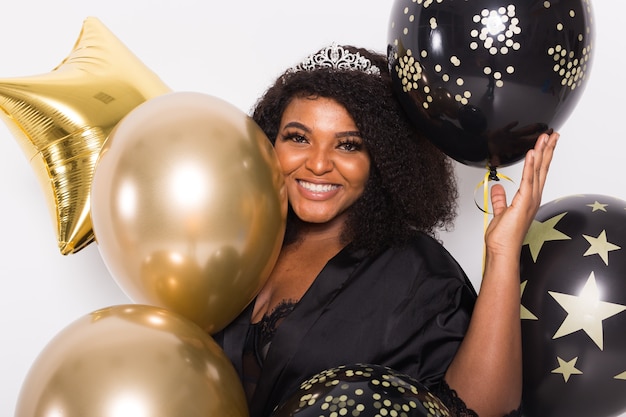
(406, 308)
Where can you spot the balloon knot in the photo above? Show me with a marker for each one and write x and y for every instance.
(493, 174)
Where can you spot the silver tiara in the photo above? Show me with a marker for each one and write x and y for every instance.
(336, 57)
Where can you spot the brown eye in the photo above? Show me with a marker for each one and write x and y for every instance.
(351, 145)
(294, 137)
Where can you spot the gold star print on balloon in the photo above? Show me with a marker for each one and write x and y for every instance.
(62, 118)
(567, 368)
(600, 246)
(542, 232)
(621, 376)
(525, 313)
(597, 206)
(585, 312)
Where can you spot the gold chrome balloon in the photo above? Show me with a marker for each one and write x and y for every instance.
(132, 360)
(62, 118)
(188, 207)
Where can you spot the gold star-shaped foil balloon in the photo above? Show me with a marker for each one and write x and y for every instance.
(62, 118)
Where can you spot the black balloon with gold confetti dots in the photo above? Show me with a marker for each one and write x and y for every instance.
(573, 308)
(361, 390)
(484, 78)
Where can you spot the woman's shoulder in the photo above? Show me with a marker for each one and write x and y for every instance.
(426, 248)
(427, 259)
(420, 270)
(421, 255)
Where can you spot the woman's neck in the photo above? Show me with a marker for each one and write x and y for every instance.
(321, 232)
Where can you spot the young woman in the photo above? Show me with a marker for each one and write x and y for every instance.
(361, 277)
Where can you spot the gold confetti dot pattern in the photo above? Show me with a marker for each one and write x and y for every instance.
(366, 390)
(497, 31)
(466, 71)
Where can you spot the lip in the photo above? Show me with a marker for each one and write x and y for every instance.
(323, 191)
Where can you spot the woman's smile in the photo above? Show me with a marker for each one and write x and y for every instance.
(318, 189)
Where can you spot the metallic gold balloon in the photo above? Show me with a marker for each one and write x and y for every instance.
(132, 360)
(189, 207)
(62, 118)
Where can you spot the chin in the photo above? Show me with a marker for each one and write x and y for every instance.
(321, 218)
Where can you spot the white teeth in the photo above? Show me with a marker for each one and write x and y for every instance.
(318, 188)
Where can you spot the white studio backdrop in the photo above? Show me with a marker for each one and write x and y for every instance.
(233, 50)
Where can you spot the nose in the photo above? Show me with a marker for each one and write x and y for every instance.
(319, 160)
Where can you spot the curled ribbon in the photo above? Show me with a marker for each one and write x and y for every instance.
(491, 175)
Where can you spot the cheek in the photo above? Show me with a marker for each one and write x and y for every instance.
(359, 172)
(288, 161)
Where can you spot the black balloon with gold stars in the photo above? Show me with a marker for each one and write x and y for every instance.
(361, 390)
(573, 308)
(484, 78)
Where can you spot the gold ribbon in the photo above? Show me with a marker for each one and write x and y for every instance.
(491, 175)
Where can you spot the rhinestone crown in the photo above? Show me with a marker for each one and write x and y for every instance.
(336, 57)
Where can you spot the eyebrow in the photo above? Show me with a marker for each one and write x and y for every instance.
(298, 125)
(345, 134)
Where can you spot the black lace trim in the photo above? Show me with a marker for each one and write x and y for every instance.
(269, 324)
(257, 344)
(456, 405)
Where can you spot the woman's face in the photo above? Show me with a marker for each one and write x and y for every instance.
(322, 157)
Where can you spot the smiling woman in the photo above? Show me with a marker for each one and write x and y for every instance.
(359, 278)
(323, 159)
(226, 50)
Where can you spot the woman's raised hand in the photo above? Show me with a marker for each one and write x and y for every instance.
(511, 222)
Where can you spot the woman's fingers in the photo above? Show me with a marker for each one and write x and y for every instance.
(546, 159)
(498, 199)
(537, 164)
(510, 223)
(534, 174)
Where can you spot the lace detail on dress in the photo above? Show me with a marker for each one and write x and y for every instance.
(269, 324)
(457, 407)
(258, 342)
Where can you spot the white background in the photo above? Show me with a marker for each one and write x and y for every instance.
(232, 50)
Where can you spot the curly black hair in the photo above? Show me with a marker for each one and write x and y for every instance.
(412, 186)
